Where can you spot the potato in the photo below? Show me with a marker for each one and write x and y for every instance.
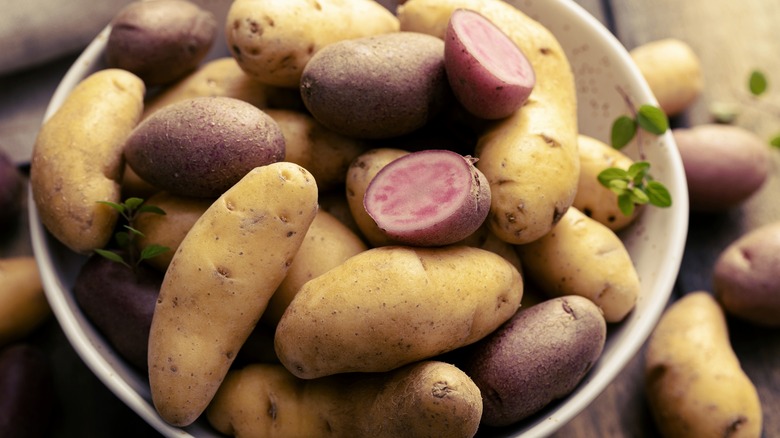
(120, 302)
(200, 147)
(693, 380)
(393, 84)
(160, 41)
(428, 198)
(219, 283)
(745, 280)
(583, 257)
(485, 239)
(12, 190)
(27, 393)
(593, 199)
(672, 70)
(538, 356)
(425, 399)
(390, 306)
(327, 244)
(361, 171)
(169, 229)
(321, 151)
(530, 158)
(77, 158)
(724, 165)
(273, 40)
(490, 76)
(23, 305)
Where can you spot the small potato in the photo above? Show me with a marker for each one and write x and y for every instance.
(77, 158)
(394, 305)
(694, 383)
(425, 399)
(200, 147)
(593, 199)
(538, 356)
(23, 305)
(745, 279)
(321, 151)
(673, 71)
(724, 165)
(393, 84)
(219, 283)
(273, 40)
(581, 256)
(160, 41)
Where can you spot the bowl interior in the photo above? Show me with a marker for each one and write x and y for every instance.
(655, 242)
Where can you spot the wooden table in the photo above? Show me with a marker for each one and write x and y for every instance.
(731, 38)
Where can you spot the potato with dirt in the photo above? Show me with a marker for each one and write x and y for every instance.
(273, 40)
(425, 399)
(160, 41)
(219, 282)
(694, 383)
(394, 305)
(202, 146)
(393, 84)
(77, 158)
(529, 158)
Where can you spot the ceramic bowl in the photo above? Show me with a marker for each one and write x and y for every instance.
(655, 242)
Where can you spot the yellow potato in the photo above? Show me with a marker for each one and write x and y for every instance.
(693, 380)
(23, 305)
(581, 256)
(529, 158)
(394, 305)
(593, 199)
(425, 399)
(273, 40)
(219, 283)
(77, 158)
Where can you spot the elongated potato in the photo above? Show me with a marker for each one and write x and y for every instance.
(581, 256)
(530, 158)
(23, 305)
(274, 39)
(425, 399)
(77, 158)
(693, 380)
(394, 305)
(219, 283)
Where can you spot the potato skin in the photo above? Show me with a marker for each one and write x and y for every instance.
(693, 380)
(593, 199)
(427, 399)
(394, 305)
(581, 256)
(77, 158)
(393, 84)
(273, 40)
(530, 158)
(745, 280)
(724, 165)
(219, 283)
(23, 305)
(160, 41)
(200, 147)
(538, 356)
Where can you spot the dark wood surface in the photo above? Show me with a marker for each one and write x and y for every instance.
(731, 38)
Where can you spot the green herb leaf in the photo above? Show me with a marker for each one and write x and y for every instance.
(114, 257)
(133, 203)
(626, 204)
(658, 194)
(122, 239)
(153, 251)
(610, 174)
(652, 119)
(757, 83)
(151, 209)
(638, 196)
(118, 207)
(623, 131)
(775, 141)
(638, 171)
(135, 231)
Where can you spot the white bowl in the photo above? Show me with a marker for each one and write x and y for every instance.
(655, 242)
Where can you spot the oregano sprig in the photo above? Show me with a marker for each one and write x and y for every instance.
(758, 84)
(635, 186)
(125, 239)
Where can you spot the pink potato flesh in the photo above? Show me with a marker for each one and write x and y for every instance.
(489, 75)
(428, 198)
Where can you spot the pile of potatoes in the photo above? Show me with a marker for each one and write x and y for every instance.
(262, 162)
